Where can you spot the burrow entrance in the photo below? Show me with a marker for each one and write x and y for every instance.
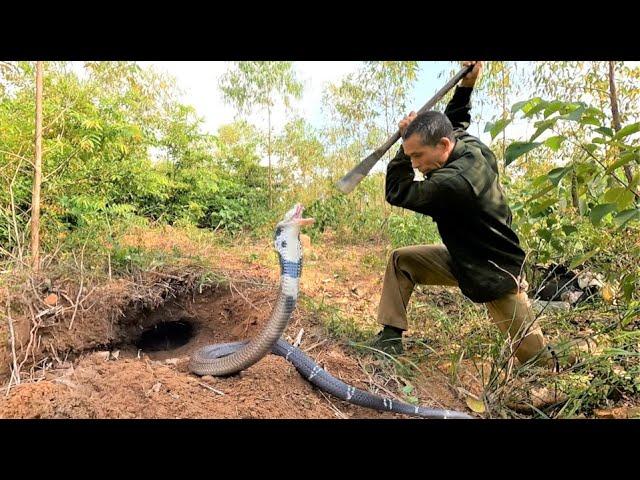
(165, 336)
(187, 323)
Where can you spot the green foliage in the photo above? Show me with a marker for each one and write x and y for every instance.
(121, 150)
(118, 146)
(581, 204)
(250, 84)
(412, 229)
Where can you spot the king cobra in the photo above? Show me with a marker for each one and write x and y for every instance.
(229, 358)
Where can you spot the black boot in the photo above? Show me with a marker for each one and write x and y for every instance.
(389, 340)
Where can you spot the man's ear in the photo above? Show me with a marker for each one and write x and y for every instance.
(445, 142)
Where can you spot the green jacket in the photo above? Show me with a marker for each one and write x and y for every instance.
(467, 203)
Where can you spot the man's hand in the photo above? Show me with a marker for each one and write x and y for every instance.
(469, 80)
(404, 123)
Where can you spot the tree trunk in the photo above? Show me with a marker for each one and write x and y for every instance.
(37, 177)
(615, 112)
(385, 210)
(574, 191)
(269, 153)
(504, 112)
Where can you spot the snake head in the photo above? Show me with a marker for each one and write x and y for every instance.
(286, 238)
(294, 218)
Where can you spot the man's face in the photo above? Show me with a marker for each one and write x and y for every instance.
(427, 158)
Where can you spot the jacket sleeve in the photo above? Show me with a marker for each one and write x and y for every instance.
(458, 108)
(402, 191)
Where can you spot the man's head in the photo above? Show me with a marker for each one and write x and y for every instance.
(428, 141)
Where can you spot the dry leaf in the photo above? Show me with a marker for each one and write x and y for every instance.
(544, 396)
(51, 299)
(618, 413)
(475, 404)
(607, 294)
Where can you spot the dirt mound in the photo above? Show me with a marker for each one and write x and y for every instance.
(140, 388)
(126, 353)
(128, 382)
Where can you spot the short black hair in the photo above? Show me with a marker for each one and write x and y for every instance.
(431, 126)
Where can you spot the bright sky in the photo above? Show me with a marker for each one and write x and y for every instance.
(199, 80)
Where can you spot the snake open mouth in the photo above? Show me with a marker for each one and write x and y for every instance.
(298, 212)
(297, 216)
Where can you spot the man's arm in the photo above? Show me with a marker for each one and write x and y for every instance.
(402, 191)
(460, 104)
(458, 108)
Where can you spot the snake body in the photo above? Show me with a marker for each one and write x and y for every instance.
(322, 379)
(228, 358)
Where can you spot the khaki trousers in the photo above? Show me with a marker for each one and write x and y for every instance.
(431, 265)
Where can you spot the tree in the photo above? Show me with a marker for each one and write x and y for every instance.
(237, 152)
(609, 200)
(615, 113)
(498, 85)
(303, 170)
(37, 176)
(390, 84)
(260, 84)
(102, 136)
(365, 107)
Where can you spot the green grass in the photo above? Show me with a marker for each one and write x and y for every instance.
(335, 324)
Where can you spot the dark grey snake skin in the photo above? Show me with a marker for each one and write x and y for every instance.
(229, 358)
(322, 379)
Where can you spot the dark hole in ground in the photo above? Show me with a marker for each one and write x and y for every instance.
(165, 336)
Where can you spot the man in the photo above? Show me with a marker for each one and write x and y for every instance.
(462, 193)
